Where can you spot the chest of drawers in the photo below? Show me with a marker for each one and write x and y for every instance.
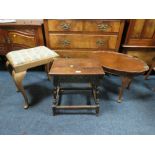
(68, 37)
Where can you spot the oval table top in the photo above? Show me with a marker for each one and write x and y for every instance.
(119, 63)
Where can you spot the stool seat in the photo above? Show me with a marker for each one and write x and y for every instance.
(28, 58)
(19, 61)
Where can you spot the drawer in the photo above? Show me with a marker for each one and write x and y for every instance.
(17, 38)
(68, 41)
(65, 25)
(101, 25)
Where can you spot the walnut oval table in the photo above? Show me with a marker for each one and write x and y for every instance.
(121, 64)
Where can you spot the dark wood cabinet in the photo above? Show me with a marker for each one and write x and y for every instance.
(20, 35)
(3, 42)
(139, 39)
(141, 33)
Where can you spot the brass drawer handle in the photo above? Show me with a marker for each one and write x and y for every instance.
(100, 42)
(65, 26)
(65, 42)
(103, 27)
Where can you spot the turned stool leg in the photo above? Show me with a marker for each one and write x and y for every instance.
(126, 81)
(95, 93)
(18, 77)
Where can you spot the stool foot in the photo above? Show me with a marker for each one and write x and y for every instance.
(26, 106)
(119, 101)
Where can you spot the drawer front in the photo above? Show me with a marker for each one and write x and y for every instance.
(21, 39)
(101, 25)
(65, 25)
(79, 41)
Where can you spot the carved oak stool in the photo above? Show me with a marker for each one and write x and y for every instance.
(76, 70)
(21, 60)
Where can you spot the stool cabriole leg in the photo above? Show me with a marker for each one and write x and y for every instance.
(10, 69)
(18, 78)
(47, 69)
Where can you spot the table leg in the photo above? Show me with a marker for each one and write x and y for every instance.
(126, 81)
(56, 94)
(128, 86)
(59, 90)
(96, 97)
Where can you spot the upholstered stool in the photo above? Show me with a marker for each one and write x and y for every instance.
(152, 67)
(21, 60)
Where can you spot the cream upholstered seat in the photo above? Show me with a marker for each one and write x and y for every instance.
(21, 60)
(28, 58)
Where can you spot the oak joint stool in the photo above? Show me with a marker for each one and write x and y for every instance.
(75, 70)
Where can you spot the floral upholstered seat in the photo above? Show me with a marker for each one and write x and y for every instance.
(30, 57)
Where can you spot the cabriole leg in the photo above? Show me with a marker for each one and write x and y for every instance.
(10, 71)
(18, 78)
(126, 81)
(47, 70)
